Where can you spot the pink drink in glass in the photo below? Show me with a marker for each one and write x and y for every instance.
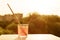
(23, 30)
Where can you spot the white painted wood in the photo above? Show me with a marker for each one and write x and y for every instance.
(30, 37)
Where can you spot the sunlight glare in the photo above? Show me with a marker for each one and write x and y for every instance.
(46, 7)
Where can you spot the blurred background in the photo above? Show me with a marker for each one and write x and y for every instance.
(43, 16)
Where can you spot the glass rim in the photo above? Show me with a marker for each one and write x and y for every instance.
(23, 24)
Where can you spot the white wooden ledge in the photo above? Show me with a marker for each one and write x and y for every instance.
(30, 37)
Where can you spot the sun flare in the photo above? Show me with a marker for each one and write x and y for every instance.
(46, 7)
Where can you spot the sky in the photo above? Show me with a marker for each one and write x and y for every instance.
(46, 7)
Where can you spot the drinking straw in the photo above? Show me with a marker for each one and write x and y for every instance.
(16, 19)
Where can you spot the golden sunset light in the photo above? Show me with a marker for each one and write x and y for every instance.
(30, 19)
(46, 7)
